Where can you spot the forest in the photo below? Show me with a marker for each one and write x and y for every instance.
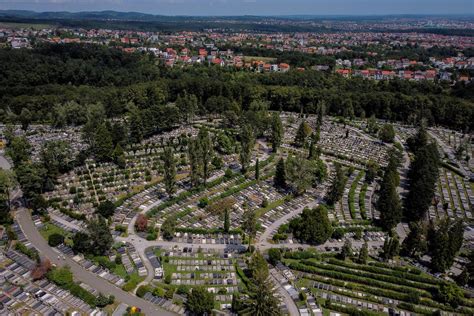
(59, 82)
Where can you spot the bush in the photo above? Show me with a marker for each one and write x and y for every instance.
(159, 292)
(64, 279)
(279, 236)
(274, 255)
(55, 239)
(203, 202)
(142, 290)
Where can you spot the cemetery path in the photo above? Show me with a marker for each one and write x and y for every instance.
(290, 304)
(29, 229)
(4, 164)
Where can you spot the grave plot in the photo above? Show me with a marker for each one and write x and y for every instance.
(335, 140)
(404, 132)
(195, 208)
(454, 139)
(257, 196)
(38, 135)
(23, 296)
(215, 271)
(84, 188)
(373, 287)
(454, 197)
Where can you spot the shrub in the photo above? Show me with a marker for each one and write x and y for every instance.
(274, 255)
(55, 239)
(142, 290)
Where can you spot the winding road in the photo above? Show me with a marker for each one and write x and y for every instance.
(25, 221)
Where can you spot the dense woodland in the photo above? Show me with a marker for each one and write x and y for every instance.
(51, 78)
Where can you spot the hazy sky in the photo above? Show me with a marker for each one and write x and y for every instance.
(250, 7)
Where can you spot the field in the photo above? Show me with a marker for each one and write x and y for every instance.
(33, 26)
(257, 58)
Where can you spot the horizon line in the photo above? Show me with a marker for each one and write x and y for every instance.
(251, 15)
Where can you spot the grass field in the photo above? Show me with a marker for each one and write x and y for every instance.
(257, 58)
(24, 25)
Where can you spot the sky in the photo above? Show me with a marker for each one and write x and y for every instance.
(250, 7)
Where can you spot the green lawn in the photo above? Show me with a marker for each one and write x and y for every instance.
(49, 229)
(132, 282)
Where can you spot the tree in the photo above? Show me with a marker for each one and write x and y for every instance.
(141, 223)
(443, 244)
(391, 248)
(337, 187)
(25, 118)
(169, 167)
(372, 170)
(19, 150)
(106, 209)
(249, 224)
(279, 179)
(55, 239)
(81, 242)
(302, 173)
(257, 170)
(388, 202)
(194, 157)
(304, 130)
(247, 141)
(226, 221)
(372, 126)
(118, 156)
(321, 108)
(277, 132)
(57, 157)
(450, 293)
(415, 244)
(103, 145)
(7, 182)
(168, 228)
(200, 301)
(41, 269)
(364, 253)
(423, 175)
(263, 301)
(187, 105)
(346, 250)
(314, 150)
(387, 133)
(206, 152)
(274, 255)
(100, 237)
(136, 127)
(119, 134)
(312, 226)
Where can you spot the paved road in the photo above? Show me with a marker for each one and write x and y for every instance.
(29, 229)
(4, 164)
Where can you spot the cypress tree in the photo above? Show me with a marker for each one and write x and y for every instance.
(301, 134)
(226, 221)
(169, 167)
(279, 179)
(247, 140)
(364, 253)
(277, 132)
(257, 170)
(389, 202)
